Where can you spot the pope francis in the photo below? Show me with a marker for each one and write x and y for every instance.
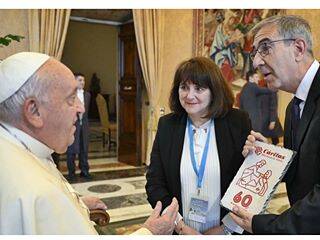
(38, 110)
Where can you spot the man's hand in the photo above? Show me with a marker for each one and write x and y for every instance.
(249, 146)
(164, 224)
(218, 230)
(272, 125)
(183, 229)
(93, 203)
(242, 218)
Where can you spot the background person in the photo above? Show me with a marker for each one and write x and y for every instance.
(271, 126)
(81, 136)
(250, 100)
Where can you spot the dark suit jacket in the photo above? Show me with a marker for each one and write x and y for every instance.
(250, 102)
(269, 109)
(163, 175)
(303, 175)
(84, 129)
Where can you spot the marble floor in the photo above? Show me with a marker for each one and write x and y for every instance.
(127, 201)
(125, 197)
(121, 187)
(99, 165)
(128, 206)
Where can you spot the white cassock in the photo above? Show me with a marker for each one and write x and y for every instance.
(34, 199)
(34, 196)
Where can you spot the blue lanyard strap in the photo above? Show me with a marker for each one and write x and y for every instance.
(202, 167)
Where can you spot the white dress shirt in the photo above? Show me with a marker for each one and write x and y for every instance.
(80, 94)
(211, 179)
(305, 84)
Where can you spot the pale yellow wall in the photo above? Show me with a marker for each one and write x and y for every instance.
(93, 48)
(177, 47)
(313, 17)
(14, 21)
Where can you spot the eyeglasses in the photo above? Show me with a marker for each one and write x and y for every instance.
(264, 48)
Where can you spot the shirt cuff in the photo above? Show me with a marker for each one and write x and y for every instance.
(142, 231)
(230, 224)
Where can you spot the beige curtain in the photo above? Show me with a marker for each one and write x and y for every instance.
(48, 30)
(149, 34)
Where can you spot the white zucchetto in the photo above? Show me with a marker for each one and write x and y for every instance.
(17, 69)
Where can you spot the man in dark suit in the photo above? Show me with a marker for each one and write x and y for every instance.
(80, 144)
(271, 126)
(250, 100)
(283, 53)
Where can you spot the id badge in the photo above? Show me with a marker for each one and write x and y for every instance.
(198, 209)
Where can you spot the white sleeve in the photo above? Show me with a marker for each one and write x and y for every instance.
(142, 231)
(57, 214)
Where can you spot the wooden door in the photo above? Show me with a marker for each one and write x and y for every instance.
(129, 151)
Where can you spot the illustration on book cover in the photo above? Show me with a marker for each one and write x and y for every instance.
(254, 180)
(257, 178)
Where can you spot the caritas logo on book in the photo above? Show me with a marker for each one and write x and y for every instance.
(268, 153)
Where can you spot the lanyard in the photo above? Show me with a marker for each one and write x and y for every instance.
(199, 172)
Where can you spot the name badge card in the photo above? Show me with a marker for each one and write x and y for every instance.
(198, 209)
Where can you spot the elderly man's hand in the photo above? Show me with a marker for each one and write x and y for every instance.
(93, 203)
(249, 146)
(162, 224)
(242, 218)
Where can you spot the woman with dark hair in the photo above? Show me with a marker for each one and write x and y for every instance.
(197, 149)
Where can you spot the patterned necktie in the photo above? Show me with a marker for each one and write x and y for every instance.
(295, 120)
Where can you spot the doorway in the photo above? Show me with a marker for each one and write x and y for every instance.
(99, 44)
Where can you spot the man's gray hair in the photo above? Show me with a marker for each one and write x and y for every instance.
(289, 27)
(11, 108)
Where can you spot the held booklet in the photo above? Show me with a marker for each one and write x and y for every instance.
(258, 177)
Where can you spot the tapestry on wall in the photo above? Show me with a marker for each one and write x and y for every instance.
(224, 36)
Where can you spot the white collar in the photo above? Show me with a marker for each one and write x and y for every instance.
(203, 126)
(37, 148)
(304, 86)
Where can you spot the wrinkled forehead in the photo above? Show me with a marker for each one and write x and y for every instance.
(61, 78)
(266, 34)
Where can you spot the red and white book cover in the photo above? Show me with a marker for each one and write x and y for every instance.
(258, 177)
